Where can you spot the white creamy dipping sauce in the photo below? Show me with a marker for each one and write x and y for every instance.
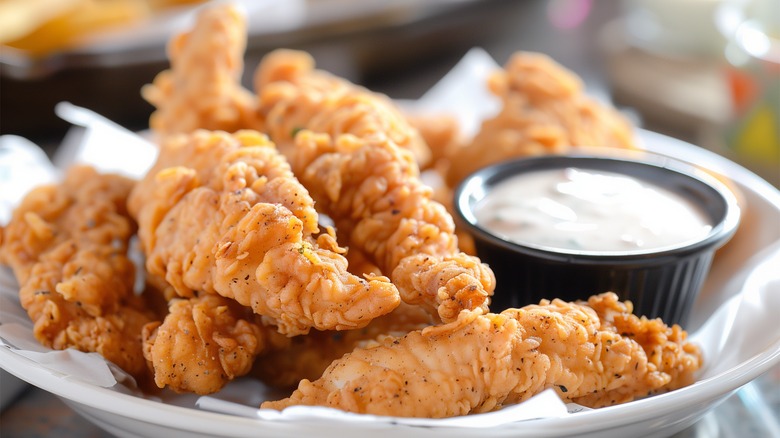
(587, 210)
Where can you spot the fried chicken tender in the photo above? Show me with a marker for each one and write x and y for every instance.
(223, 214)
(293, 95)
(360, 263)
(595, 353)
(61, 322)
(67, 245)
(290, 360)
(202, 89)
(442, 134)
(373, 192)
(545, 110)
(203, 343)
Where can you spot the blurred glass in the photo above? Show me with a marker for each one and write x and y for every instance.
(753, 73)
(715, 69)
(674, 27)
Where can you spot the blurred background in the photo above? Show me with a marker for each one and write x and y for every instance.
(703, 71)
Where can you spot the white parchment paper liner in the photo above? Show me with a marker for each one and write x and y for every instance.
(744, 325)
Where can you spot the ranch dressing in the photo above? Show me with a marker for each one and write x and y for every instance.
(586, 210)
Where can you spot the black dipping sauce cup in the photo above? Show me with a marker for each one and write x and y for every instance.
(660, 283)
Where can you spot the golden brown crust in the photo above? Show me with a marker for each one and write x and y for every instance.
(224, 214)
(290, 360)
(545, 110)
(479, 363)
(202, 344)
(293, 96)
(67, 245)
(373, 192)
(202, 89)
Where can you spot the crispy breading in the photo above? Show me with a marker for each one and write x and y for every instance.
(203, 343)
(67, 245)
(62, 322)
(224, 214)
(545, 110)
(202, 88)
(293, 95)
(443, 135)
(373, 192)
(480, 363)
(290, 360)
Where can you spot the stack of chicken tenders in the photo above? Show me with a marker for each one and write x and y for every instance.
(384, 311)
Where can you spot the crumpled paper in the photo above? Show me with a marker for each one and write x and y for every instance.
(743, 326)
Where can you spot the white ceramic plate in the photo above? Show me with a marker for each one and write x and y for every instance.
(130, 416)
